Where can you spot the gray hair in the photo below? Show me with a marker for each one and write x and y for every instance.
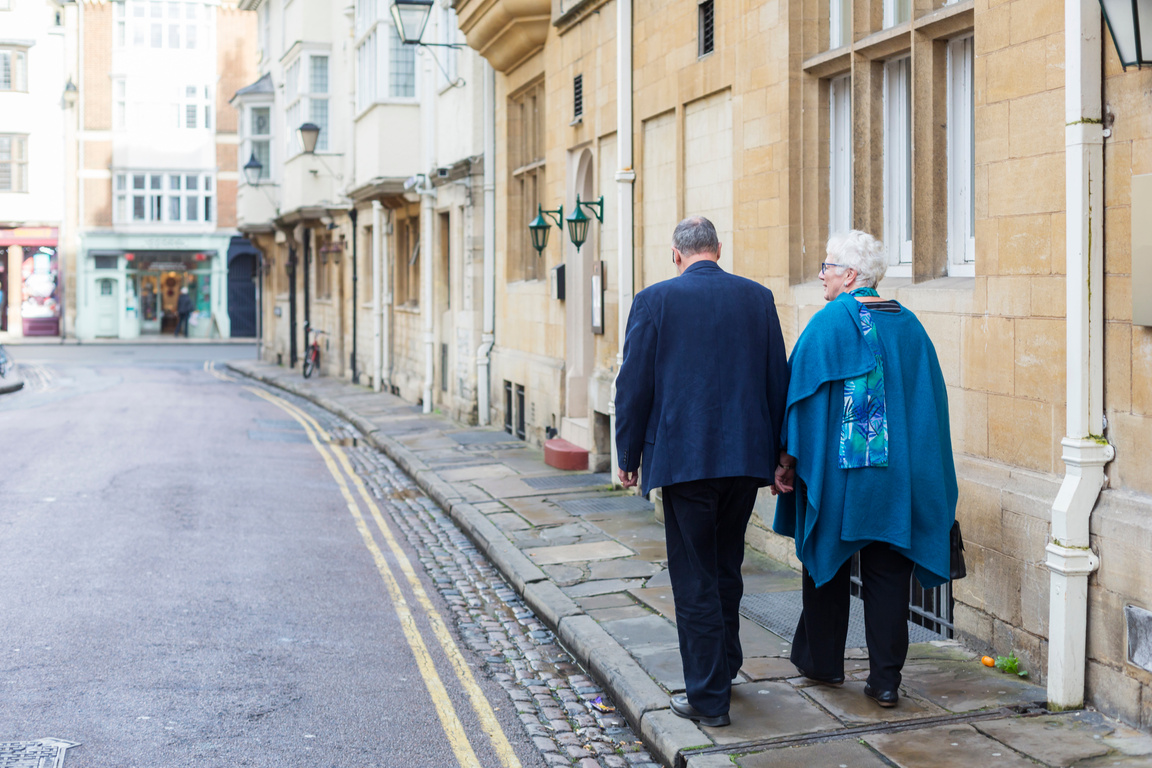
(859, 251)
(695, 235)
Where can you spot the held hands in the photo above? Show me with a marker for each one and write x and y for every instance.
(785, 479)
(628, 479)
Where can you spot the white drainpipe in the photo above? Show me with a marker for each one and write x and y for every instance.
(1070, 560)
(377, 292)
(625, 188)
(427, 211)
(488, 336)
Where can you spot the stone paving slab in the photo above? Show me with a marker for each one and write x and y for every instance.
(946, 746)
(599, 580)
(834, 754)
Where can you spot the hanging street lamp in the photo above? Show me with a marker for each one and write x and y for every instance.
(410, 17)
(578, 221)
(252, 170)
(309, 134)
(1130, 22)
(540, 227)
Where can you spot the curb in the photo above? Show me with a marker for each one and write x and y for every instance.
(11, 385)
(642, 702)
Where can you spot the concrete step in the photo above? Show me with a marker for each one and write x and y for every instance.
(562, 454)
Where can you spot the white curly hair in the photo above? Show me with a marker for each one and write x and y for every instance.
(859, 251)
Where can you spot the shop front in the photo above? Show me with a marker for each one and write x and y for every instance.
(30, 291)
(131, 288)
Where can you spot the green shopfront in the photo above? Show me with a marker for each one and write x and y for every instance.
(128, 285)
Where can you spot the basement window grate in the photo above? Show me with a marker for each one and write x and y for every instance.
(577, 98)
(707, 17)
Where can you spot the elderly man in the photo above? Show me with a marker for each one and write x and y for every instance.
(700, 401)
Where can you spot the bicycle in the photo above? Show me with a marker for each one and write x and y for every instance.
(5, 362)
(312, 355)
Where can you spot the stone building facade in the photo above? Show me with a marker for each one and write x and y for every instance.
(981, 140)
(376, 236)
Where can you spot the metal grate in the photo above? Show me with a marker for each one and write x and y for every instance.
(707, 15)
(521, 432)
(508, 407)
(482, 438)
(928, 608)
(609, 504)
(779, 612)
(552, 482)
(578, 97)
(42, 753)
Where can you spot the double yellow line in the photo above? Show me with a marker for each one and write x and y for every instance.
(336, 459)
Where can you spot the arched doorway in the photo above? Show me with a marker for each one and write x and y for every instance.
(579, 352)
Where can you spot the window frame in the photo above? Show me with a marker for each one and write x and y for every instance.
(300, 100)
(841, 157)
(159, 196)
(17, 69)
(17, 163)
(251, 139)
(375, 41)
(898, 234)
(961, 153)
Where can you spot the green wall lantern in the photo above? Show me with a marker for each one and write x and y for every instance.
(1130, 22)
(578, 221)
(540, 226)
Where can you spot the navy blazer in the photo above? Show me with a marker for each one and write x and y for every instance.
(702, 389)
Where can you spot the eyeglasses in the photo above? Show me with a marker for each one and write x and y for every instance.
(824, 265)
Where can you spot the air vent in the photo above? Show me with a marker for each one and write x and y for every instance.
(707, 27)
(578, 97)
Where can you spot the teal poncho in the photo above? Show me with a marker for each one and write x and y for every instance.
(911, 502)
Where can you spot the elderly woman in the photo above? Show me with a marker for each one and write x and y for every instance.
(867, 467)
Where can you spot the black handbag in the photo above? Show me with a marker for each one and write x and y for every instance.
(958, 569)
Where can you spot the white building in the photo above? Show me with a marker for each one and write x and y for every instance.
(156, 202)
(32, 178)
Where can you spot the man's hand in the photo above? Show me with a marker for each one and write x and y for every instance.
(785, 479)
(628, 479)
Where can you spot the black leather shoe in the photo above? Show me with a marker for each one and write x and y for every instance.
(821, 680)
(883, 698)
(681, 707)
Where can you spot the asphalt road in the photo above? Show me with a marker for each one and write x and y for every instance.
(183, 582)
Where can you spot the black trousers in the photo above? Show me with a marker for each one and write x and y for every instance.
(704, 523)
(818, 648)
(182, 323)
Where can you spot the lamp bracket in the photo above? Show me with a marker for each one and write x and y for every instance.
(597, 207)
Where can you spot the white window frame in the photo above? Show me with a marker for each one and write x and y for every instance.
(448, 32)
(961, 158)
(898, 164)
(319, 101)
(162, 191)
(119, 103)
(17, 69)
(840, 154)
(16, 162)
(251, 139)
(839, 23)
(301, 102)
(194, 101)
(376, 40)
(897, 12)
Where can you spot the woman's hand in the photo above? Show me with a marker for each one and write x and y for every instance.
(785, 479)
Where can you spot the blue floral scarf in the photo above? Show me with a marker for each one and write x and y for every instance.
(864, 424)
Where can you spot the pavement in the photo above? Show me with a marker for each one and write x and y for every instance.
(590, 560)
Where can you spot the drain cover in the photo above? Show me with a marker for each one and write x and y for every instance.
(610, 504)
(552, 482)
(42, 753)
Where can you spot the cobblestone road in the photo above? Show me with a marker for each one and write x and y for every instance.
(570, 719)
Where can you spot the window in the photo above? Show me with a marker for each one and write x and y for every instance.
(839, 23)
(526, 126)
(13, 163)
(307, 100)
(119, 104)
(401, 67)
(13, 69)
(118, 13)
(897, 12)
(194, 103)
(706, 13)
(449, 34)
(407, 288)
(163, 197)
(260, 138)
(898, 159)
(577, 97)
(840, 154)
(961, 159)
(264, 16)
(385, 67)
